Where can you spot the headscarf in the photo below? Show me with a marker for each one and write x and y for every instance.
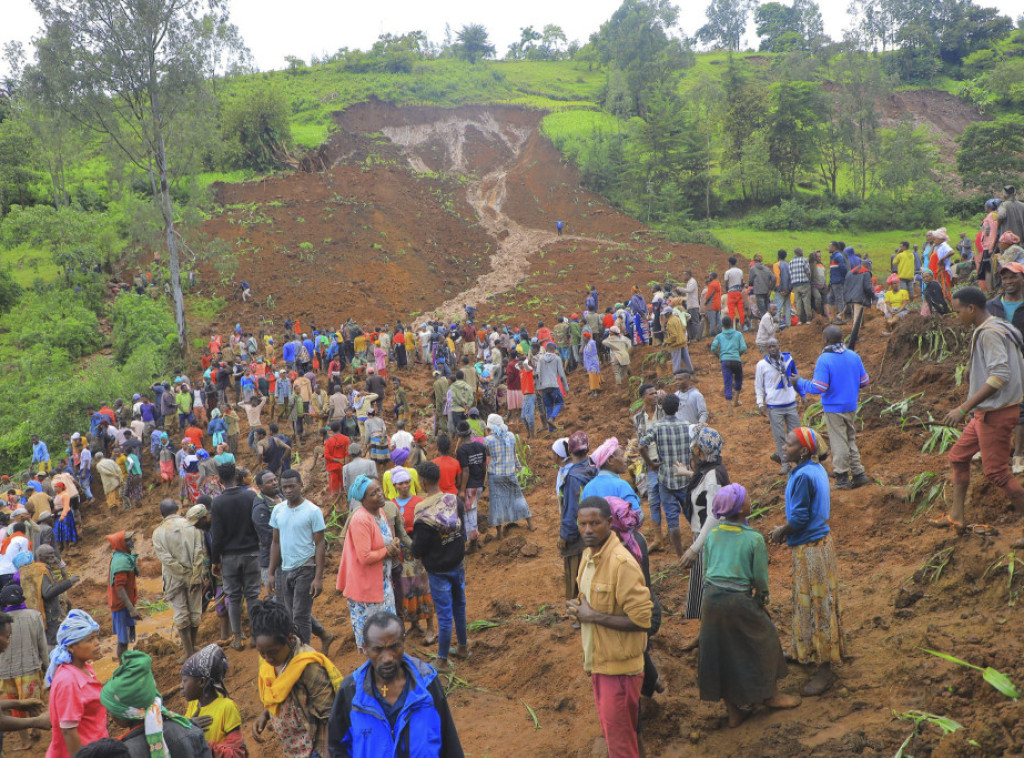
(23, 558)
(400, 475)
(211, 664)
(810, 440)
(605, 451)
(399, 456)
(893, 279)
(358, 489)
(196, 512)
(122, 560)
(940, 234)
(76, 627)
(560, 447)
(496, 426)
(710, 443)
(729, 501)
(624, 522)
(419, 437)
(579, 442)
(12, 597)
(132, 695)
(1009, 238)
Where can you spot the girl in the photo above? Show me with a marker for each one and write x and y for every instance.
(76, 714)
(202, 684)
(415, 594)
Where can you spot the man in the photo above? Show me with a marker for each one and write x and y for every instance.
(40, 454)
(692, 407)
(766, 329)
(783, 288)
(179, 548)
(859, 289)
(1011, 213)
(1008, 308)
(299, 550)
(274, 453)
(837, 268)
(392, 701)
(527, 386)
(671, 438)
(472, 458)
(551, 381)
(376, 385)
(904, 262)
(729, 346)
(774, 392)
(713, 304)
(733, 282)
(356, 466)
(262, 506)
(336, 449)
(401, 438)
(694, 328)
(577, 474)
(440, 399)
(235, 547)
(619, 351)
(463, 397)
(676, 341)
(839, 376)
(562, 335)
(615, 636)
(763, 281)
(994, 396)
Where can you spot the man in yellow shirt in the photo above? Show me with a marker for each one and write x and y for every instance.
(904, 261)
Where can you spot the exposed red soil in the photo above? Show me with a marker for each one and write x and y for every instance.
(533, 657)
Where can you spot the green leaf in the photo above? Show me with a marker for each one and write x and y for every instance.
(951, 658)
(1001, 682)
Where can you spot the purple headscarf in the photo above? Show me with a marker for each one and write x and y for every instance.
(400, 456)
(624, 521)
(729, 501)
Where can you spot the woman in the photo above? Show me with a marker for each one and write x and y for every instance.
(709, 476)
(740, 658)
(380, 359)
(218, 428)
(76, 713)
(818, 635)
(133, 480)
(375, 438)
(202, 684)
(189, 471)
(64, 530)
(626, 523)
(610, 461)
(364, 574)
(224, 455)
(399, 344)
(942, 260)
(989, 235)
(22, 662)
(209, 479)
(508, 504)
(166, 459)
(896, 301)
(399, 458)
(415, 586)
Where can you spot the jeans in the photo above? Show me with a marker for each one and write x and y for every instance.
(294, 595)
(529, 410)
(732, 375)
(672, 503)
(576, 353)
(448, 591)
(241, 574)
(565, 352)
(838, 300)
(785, 314)
(654, 497)
(681, 360)
(762, 302)
(552, 402)
(252, 439)
(714, 322)
(85, 479)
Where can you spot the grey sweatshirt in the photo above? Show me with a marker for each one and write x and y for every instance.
(549, 370)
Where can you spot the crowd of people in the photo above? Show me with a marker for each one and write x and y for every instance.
(248, 544)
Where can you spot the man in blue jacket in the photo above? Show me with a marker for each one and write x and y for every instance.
(837, 268)
(392, 705)
(839, 375)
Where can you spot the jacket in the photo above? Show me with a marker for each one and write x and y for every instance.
(359, 573)
(576, 478)
(995, 307)
(808, 503)
(771, 387)
(858, 287)
(762, 279)
(424, 727)
(783, 283)
(549, 371)
(729, 345)
(837, 268)
(675, 333)
(838, 378)
(995, 359)
(615, 585)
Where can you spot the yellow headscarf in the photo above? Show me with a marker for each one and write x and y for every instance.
(274, 688)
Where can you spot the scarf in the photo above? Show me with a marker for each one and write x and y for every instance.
(132, 695)
(838, 348)
(624, 522)
(606, 450)
(496, 426)
(710, 444)
(729, 501)
(76, 627)
(808, 439)
(358, 488)
(440, 512)
(274, 687)
(121, 562)
(210, 664)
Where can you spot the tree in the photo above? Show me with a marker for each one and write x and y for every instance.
(18, 163)
(727, 20)
(528, 37)
(256, 127)
(991, 154)
(473, 43)
(133, 73)
(789, 27)
(862, 86)
(906, 159)
(793, 124)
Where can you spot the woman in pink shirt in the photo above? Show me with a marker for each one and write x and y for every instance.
(76, 714)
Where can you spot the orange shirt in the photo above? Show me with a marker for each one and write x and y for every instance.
(336, 451)
(450, 470)
(715, 295)
(195, 435)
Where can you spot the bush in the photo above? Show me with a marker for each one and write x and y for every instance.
(10, 291)
(141, 321)
(256, 127)
(54, 320)
(797, 215)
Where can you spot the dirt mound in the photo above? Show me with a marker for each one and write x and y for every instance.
(945, 116)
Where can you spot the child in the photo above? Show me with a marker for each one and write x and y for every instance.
(202, 684)
(122, 594)
(729, 345)
(76, 714)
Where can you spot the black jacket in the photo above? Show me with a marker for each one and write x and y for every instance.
(232, 530)
(440, 553)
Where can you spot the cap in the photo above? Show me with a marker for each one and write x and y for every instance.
(1017, 268)
(196, 512)
(20, 512)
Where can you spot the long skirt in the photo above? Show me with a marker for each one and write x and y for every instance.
(416, 600)
(211, 487)
(740, 657)
(695, 591)
(379, 449)
(26, 687)
(167, 471)
(133, 489)
(515, 399)
(400, 357)
(64, 531)
(818, 635)
(360, 613)
(192, 486)
(508, 504)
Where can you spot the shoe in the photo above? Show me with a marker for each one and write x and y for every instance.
(843, 482)
(1018, 464)
(860, 480)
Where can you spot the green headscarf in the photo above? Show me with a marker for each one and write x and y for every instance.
(132, 695)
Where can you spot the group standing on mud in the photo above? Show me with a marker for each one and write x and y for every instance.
(234, 538)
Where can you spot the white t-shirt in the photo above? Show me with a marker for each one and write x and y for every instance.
(401, 439)
(17, 545)
(733, 277)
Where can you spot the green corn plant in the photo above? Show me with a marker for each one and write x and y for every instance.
(481, 624)
(1010, 561)
(936, 563)
(924, 489)
(958, 375)
(533, 715)
(814, 416)
(900, 407)
(947, 725)
(997, 679)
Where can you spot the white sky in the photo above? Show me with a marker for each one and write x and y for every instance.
(273, 29)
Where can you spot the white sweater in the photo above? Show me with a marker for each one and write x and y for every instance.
(771, 387)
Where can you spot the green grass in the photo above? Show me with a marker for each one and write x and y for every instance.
(207, 178)
(579, 124)
(877, 245)
(30, 263)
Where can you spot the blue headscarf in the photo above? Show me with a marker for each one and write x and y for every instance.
(75, 628)
(358, 489)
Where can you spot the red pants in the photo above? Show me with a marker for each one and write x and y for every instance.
(734, 304)
(991, 432)
(618, 708)
(334, 480)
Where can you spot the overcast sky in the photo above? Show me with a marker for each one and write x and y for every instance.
(273, 29)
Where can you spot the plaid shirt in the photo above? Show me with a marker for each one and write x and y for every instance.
(799, 271)
(501, 452)
(672, 437)
(641, 426)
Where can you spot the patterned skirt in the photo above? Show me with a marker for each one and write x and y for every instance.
(22, 688)
(360, 613)
(212, 487)
(818, 635)
(416, 600)
(695, 591)
(379, 449)
(65, 531)
(133, 489)
(192, 486)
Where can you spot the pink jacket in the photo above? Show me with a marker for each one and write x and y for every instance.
(361, 573)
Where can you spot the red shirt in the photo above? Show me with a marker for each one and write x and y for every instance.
(398, 339)
(450, 470)
(195, 434)
(543, 334)
(512, 377)
(526, 381)
(205, 362)
(336, 451)
(75, 697)
(122, 580)
(715, 295)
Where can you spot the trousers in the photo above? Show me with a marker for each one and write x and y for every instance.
(991, 432)
(241, 574)
(448, 591)
(732, 376)
(618, 709)
(842, 438)
(782, 421)
(804, 302)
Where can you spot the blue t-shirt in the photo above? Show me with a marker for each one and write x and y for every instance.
(296, 527)
(1010, 307)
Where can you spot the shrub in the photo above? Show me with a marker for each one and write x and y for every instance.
(54, 320)
(141, 321)
(256, 127)
(10, 291)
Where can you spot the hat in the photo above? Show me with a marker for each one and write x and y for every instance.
(437, 374)
(43, 516)
(579, 442)
(76, 436)
(1017, 268)
(372, 411)
(136, 396)
(615, 330)
(893, 279)
(197, 512)
(20, 512)
(473, 412)
(574, 316)
(605, 451)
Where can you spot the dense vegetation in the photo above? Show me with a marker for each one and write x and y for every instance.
(93, 174)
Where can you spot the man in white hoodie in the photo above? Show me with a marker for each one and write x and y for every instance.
(774, 392)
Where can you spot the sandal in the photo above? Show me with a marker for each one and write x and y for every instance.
(945, 521)
(983, 530)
